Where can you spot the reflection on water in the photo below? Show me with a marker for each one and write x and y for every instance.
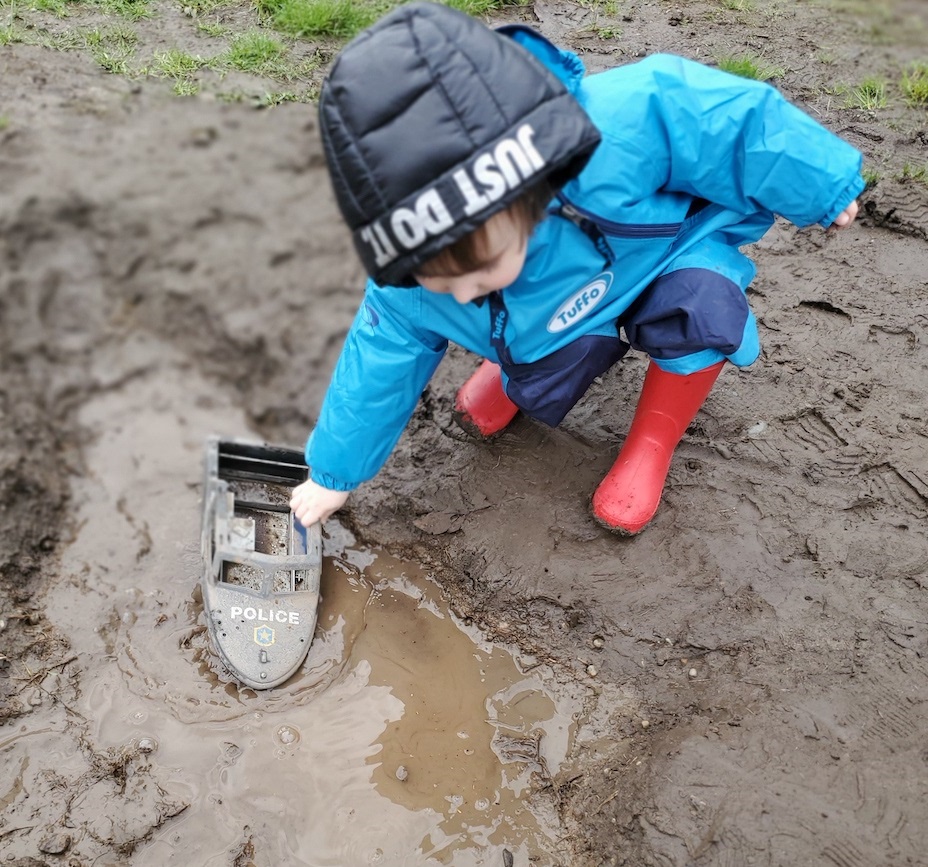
(405, 739)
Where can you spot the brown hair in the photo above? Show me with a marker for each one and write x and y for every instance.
(469, 253)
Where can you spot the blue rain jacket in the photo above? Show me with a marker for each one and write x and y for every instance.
(693, 164)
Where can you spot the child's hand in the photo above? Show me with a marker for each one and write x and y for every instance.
(847, 216)
(311, 502)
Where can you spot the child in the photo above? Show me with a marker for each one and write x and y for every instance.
(501, 200)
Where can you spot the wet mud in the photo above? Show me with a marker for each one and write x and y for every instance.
(748, 673)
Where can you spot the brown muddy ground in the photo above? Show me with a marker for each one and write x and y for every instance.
(170, 268)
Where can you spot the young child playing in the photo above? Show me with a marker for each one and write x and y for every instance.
(502, 200)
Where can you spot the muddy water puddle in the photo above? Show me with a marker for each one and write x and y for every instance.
(405, 738)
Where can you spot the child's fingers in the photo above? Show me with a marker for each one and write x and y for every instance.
(847, 216)
(312, 503)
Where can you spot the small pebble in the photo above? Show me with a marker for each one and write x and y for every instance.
(402, 774)
(55, 844)
(591, 670)
(693, 672)
(645, 723)
(147, 745)
(598, 642)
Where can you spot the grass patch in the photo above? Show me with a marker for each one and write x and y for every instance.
(269, 100)
(134, 10)
(213, 28)
(915, 84)
(869, 95)
(746, 66)
(472, 7)
(871, 178)
(196, 8)
(739, 5)
(58, 8)
(8, 32)
(606, 7)
(4, 122)
(338, 18)
(605, 31)
(66, 40)
(118, 38)
(185, 87)
(259, 54)
(254, 52)
(916, 174)
(177, 64)
(112, 48)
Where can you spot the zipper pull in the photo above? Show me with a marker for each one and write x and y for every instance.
(572, 214)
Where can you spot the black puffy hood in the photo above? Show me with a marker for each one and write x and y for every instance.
(431, 123)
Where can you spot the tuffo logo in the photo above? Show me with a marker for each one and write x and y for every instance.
(581, 303)
(484, 181)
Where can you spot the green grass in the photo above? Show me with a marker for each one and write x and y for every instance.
(119, 37)
(213, 28)
(257, 53)
(134, 10)
(4, 122)
(112, 48)
(473, 7)
(918, 174)
(606, 31)
(8, 31)
(915, 84)
(196, 8)
(869, 95)
(177, 64)
(749, 67)
(254, 51)
(184, 87)
(739, 5)
(871, 178)
(280, 97)
(605, 7)
(66, 40)
(338, 18)
(59, 8)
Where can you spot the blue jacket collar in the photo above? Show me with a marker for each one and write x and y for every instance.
(566, 65)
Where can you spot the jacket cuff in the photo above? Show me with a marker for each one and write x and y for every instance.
(330, 482)
(851, 192)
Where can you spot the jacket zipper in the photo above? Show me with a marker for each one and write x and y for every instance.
(619, 230)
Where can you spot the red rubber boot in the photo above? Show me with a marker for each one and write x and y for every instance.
(629, 495)
(481, 407)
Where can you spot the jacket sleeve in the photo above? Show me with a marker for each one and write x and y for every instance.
(385, 364)
(741, 144)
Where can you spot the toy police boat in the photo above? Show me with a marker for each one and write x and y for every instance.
(262, 568)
